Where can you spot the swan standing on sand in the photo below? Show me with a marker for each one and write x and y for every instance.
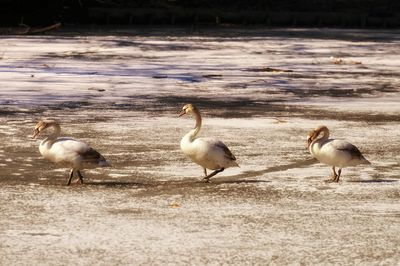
(67, 151)
(333, 152)
(207, 152)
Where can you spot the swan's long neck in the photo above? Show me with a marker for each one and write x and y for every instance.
(325, 132)
(319, 140)
(197, 127)
(191, 135)
(56, 133)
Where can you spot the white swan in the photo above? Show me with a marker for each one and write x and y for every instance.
(67, 152)
(333, 152)
(207, 152)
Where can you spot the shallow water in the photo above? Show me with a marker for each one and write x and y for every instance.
(260, 93)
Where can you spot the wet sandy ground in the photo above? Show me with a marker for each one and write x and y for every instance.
(151, 206)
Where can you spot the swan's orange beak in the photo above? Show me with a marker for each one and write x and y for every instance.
(182, 113)
(35, 133)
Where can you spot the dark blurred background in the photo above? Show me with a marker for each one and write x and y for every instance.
(293, 13)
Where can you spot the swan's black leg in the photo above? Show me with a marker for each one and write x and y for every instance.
(70, 177)
(338, 175)
(205, 171)
(80, 176)
(207, 178)
(333, 178)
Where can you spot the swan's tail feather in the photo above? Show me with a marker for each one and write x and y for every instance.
(104, 163)
(91, 156)
(365, 161)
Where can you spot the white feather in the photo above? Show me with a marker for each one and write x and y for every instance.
(334, 152)
(68, 152)
(207, 152)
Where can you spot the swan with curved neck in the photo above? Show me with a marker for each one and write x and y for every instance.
(67, 152)
(209, 153)
(333, 152)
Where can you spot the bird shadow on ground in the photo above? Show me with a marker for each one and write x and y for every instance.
(237, 181)
(244, 177)
(278, 168)
(118, 184)
(374, 181)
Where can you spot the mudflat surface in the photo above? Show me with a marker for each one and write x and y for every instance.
(258, 91)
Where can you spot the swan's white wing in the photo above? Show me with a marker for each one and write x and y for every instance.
(339, 153)
(68, 145)
(75, 152)
(214, 145)
(227, 151)
(347, 147)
